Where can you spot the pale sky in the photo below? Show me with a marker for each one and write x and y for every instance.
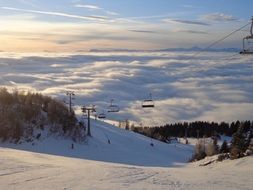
(79, 25)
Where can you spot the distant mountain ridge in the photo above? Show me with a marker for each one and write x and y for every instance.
(169, 50)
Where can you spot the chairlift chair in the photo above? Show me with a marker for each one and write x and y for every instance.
(101, 116)
(84, 117)
(247, 40)
(148, 103)
(113, 107)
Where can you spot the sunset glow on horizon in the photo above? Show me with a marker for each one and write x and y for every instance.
(76, 25)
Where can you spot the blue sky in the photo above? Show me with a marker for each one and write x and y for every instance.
(67, 25)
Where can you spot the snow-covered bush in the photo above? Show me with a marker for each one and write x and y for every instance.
(222, 157)
(199, 151)
(211, 149)
(203, 149)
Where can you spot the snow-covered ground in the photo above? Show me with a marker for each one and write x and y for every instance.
(194, 141)
(24, 170)
(128, 162)
(125, 147)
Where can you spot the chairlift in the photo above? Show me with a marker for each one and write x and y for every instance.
(84, 116)
(101, 115)
(113, 107)
(148, 103)
(248, 40)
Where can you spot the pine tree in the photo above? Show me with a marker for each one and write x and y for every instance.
(249, 137)
(238, 144)
(127, 125)
(224, 147)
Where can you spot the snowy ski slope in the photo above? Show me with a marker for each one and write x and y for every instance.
(125, 147)
(129, 162)
(24, 170)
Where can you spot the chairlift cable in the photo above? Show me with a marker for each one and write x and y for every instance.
(221, 39)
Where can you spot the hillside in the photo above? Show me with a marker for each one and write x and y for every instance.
(26, 116)
(112, 158)
(38, 123)
(125, 147)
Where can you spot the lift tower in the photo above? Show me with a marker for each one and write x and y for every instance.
(88, 110)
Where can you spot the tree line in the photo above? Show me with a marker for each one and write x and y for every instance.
(25, 115)
(241, 145)
(208, 134)
(197, 129)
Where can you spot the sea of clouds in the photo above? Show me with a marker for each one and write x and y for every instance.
(212, 86)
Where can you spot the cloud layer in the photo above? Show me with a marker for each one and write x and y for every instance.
(192, 22)
(88, 18)
(84, 26)
(219, 17)
(212, 86)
